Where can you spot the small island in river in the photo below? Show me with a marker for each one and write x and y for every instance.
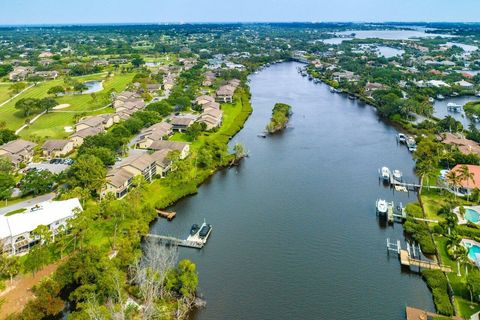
(280, 115)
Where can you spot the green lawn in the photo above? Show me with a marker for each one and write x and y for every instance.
(458, 283)
(14, 119)
(52, 124)
(4, 92)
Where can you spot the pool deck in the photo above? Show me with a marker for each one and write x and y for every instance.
(462, 220)
(467, 243)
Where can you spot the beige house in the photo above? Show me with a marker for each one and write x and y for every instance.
(162, 161)
(212, 118)
(18, 151)
(79, 137)
(181, 123)
(57, 148)
(102, 121)
(182, 147)
(20, 73)
(158, 131)
(120, 178)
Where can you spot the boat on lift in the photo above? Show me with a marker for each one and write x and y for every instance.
(382, 206)
(397, 175)
(385, 173)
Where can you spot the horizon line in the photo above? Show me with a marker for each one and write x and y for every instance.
(179, 23)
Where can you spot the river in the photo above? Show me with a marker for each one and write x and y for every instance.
(295, 232)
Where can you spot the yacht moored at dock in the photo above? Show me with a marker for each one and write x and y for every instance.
(397, 175)
(411, 144)
(381, 206)
(453, 107)
(401, 138)
(385, 174)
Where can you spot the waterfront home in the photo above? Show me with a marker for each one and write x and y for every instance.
(120, 178)
(182, 147)
(156, 132)
(181, 123)
(16, 230)
(79, 137)
(225, 94)
(57, 148)
(162, 160)
(373, 86)
(117, 61)
(18, 151)
(345, 75)
(418, 314)
(465, 146)
(202, 100)
(464, 84)
(212, 118)
(466, 186)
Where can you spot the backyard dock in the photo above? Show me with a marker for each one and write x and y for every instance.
(412, 257)
(176, 241)
(169, 215)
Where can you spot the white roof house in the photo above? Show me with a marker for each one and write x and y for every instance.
(15, 229)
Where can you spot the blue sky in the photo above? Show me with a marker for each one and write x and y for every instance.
(124, 11)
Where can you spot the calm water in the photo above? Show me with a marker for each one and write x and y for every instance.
(389, 52)
(93, 86)
(440, 109)
(392, 34)
(295, 232)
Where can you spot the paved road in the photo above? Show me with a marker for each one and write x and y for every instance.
(27, 203)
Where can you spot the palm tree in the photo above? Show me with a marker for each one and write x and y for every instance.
(466, 175)
(425, 170)
(454, 179)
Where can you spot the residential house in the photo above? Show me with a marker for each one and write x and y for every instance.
(120, 178)
(16, 230)
(18, 151)
(465, 146)
(212, 118)
(181, 123)
(20, 73)
(47, 74)
(101, 121)
(162, 160)
(464, 84)
(45, 54)
(128, 102)
(373, 86)
(466, 186)
(182, 147)
(156, 132)
(79, 137)
(345, 75)
(57, 148)
(225, 94)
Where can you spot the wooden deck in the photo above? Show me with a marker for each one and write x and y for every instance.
(169, 215)
(406, 260)
(418, 314)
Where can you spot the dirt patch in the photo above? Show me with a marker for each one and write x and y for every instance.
(19, 292)
(61, 106)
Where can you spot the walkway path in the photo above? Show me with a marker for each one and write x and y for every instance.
(27, 203)
(5, 102)
(30, 122)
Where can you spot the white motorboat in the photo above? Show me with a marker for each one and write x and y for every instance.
(382, 206)
(397, 175)
(401, 138)
(385, 172)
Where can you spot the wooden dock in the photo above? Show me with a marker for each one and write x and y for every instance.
(407, 260)
(169, 215)
(412, 257)
(177, 242)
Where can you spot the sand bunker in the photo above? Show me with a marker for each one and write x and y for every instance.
(61, 106)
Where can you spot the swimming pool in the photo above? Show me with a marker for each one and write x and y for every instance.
(473, 251)
(472, 215)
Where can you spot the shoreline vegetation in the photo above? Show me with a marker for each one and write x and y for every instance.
(451, 292)
(281, 114)
(107, 238)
